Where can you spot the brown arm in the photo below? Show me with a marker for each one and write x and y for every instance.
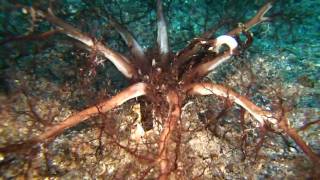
(131, 92)
(121, 63)
(258, 113)
(188, 52)
(167, 156)
(257, 19)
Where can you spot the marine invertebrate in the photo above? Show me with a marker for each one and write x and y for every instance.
(165, 81)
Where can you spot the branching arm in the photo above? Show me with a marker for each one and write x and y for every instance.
(131, 92)
(188, 52)
(219, 90)
(258, 113)
(293, 133)
(122, 64)
(257, 19)
(166, 154)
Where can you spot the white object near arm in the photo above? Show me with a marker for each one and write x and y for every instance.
(227, 40)
(205, 68)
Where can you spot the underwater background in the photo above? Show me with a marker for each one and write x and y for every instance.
(60, 77)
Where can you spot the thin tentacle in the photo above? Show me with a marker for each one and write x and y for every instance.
(30, 37)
